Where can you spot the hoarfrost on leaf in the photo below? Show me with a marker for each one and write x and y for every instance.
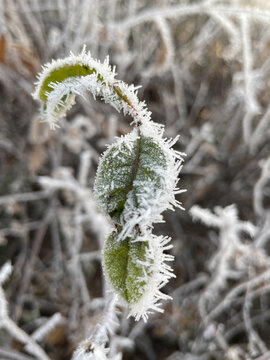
(136, 179)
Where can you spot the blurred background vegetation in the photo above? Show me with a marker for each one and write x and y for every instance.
(204, 68)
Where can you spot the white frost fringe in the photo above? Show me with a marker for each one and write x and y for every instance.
(160, 273)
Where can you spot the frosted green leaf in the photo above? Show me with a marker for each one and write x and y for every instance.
(121, 264)
(125, 171)
(62, 73)
(136, 179)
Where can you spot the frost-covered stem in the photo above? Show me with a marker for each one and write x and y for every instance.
(258, 204)
(98, 222)
(261, 132)
(136, 122)
(195, 148)
(40, 333)
(75, 261)
(25, 197)
(57, 251)
(227, 221)
(255, 341)
(94, 346)
(264, 235)
(29, 266)
(85, 163)
(108, 321)
(9, 325)
(229, 26)
(258, 195)
(30, 345)
(237, 290)
(75, 247)
(190, 287)
(137, 156)
(265, 356)
(13, 355)
(174, 11)
(75, 268)
(240, 326)
(22, 230)
(167, 41)
(3, 27)
(169, 62)
(222, 269)
(90, 256)
(252, 106)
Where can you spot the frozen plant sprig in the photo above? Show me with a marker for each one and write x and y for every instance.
(136, 179)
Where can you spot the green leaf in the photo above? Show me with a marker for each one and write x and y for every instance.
(127, 171)
(121, 265)
(62, 73)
